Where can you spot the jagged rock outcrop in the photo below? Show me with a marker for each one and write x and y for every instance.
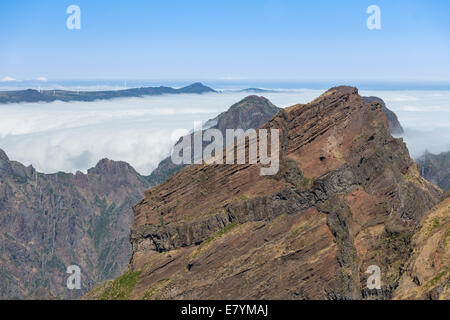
(249, 113)
(347, 196)
(394, 125)
(436, 168)
(51, 221)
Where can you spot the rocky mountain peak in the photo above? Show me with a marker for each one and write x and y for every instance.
(342, 90)
(106, 166)
(394, 125)
(347, 196)
(5, 166)
(249, 103)
(3, 155)
(249, 113)
(251, 99)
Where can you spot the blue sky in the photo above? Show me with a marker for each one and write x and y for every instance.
(201, 40)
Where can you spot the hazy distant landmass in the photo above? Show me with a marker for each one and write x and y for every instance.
(257, 90)
(31, 95)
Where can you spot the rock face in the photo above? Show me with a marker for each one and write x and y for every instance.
(51, 221)
(250, 113)
(347, 196)
(394, 125)
(48, 222)
(436, 168)
(428, 270)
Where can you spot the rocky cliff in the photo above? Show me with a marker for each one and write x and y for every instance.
(394, 125)
(51, 221)
(428, 269)
(347, 196)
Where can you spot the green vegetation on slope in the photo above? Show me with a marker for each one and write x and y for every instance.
(120, 288)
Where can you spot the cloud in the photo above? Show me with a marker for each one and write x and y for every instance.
(7, 79)
(43, 79)
(435, 141)
(61, 136)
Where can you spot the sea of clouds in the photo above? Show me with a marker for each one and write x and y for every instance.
(424, 115)
(71, 136)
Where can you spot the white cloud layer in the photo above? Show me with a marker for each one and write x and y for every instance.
(61, 136)
(7, 79)
(73, 136)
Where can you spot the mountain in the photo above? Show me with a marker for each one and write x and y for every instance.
(436, 168)
(249, 113)
(48, 222)
(347, 196)
(394, 125)
(51, 221)
(257, 90)
(195, 88)
(31, 95)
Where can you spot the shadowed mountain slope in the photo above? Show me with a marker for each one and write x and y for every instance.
(436, 168)
(394, 125)
(51, 221)
(249, 113)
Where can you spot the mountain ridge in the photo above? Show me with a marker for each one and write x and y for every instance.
(32, 95)
(102, 199)
(394, 125)
(249, 113)
(51, 221)
(347, 196)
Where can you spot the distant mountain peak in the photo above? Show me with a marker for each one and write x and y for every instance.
(257, 90)
(196, 87)
(249, 113)
(107, 166)
(31, 95)
(252, 101)
(254, 97)
(197, 84)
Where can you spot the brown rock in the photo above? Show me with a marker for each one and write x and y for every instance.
(347, 196)
(51, 221)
